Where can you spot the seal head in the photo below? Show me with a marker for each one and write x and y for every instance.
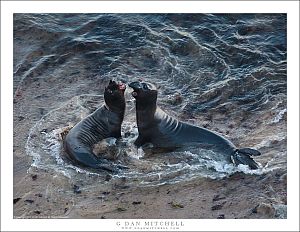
(114, 96)
(144, 93)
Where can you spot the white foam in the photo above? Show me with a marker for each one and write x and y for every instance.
(279, 116)
(46, 150)
(45, 147)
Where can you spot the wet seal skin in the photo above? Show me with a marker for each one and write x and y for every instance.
(165, 132)
(103, 123)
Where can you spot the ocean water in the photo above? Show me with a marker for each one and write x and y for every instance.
(225, 72)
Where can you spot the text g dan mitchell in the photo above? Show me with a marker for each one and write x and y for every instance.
(156, 225)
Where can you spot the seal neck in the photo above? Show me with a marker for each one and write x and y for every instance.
(146, 103)
(142, 106)
(145, 115)
(119, 109)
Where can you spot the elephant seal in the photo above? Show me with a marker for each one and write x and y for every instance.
(165, 132)
(103, 123)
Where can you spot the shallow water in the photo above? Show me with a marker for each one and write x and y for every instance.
(225, 72)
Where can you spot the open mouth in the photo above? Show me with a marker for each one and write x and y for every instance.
(121, 86)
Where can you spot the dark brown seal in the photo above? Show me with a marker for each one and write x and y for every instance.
(163, 131)
(103, 123)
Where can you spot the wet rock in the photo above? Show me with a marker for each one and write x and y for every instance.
(105, 193)
(266, 209)
(176, 205)
(121, 209)
(254, 210)
(221, 216)
(102, 217)
(33, 136)
(20, 118)
(34, 177)
(44, 131)
(66, 210)
(37, 212)
(29, 201)
(218, 198)
(64, 132)
(42, 111)
(230, 126)
(39, 195)
(108, 177)
(127, 134)
(237, 176)
(283, 178)
(17, 199)
(206, 125)
(76, 189)
(218, 206)
(74, 73)
(178, 98)
(41, 96)
(122, 186)
(175, 99)
(18, 93)
(136, 202)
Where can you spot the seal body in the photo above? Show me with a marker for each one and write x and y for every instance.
(163, 131)
(103, 123)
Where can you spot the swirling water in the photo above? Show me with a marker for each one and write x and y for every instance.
(226, 72)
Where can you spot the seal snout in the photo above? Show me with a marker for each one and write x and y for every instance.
(113, 85)
(136, 86)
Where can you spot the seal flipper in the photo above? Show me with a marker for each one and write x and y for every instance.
(140, 141)
(243, 156)
(84, 157)
(105, 165)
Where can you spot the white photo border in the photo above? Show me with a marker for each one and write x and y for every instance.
(10, 7)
